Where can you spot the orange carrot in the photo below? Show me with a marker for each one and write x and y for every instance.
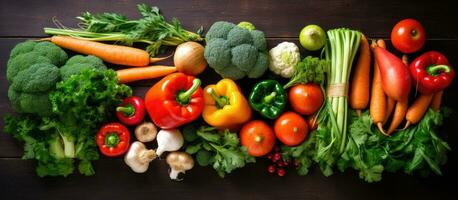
(115, 54)
(390, 103)
(418, 109)
(436, 101)
(377, 107)
(143, 73)
(359, 91)
(399, 114)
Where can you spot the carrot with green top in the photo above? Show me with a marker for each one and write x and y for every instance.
(115, 54)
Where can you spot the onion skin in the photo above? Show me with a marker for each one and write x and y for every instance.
(189, 58)
(395, 74)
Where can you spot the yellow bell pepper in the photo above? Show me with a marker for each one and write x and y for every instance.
(225, 106)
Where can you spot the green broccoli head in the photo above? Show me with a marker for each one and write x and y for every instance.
(51, 51)
(219, 30)
(218, 53)
(28, 53)
(29, 92)
(259, 40)
(23, 47)
(258, 68)
(77, 63)
(244, 57)
(234, 51)
(39, 103)
(38, 78)
(22, 62)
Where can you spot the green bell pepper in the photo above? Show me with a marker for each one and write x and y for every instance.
(268, 98)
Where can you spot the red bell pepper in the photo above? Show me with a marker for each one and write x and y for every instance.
(113, 139)
(175, 100)
(131, 111)
(431, 72)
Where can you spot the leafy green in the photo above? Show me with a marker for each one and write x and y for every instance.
(67, 137)
(151, 29)
(302, 153)
(221, 149)
(309, 70)
(416, 149)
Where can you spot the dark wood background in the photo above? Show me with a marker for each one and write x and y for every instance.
(280, 20)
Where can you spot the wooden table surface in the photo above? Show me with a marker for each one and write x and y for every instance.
(280, 20)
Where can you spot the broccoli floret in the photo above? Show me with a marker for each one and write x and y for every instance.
(244, 57)
(21, 48)
(258, 68)
(14, 98)
(218, 54)
(40, 77)
(28, 53)
(51, 51)
(39, 104)
(77, 63)
(246, 25)
(238, 36)
(259, 40)
(235, 49)
(231, 72)
(219, 30)
(22, 62)
(29, 92)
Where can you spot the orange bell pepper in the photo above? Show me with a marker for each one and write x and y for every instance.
(225, 106)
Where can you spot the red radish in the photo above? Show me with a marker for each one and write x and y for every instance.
(395, 75)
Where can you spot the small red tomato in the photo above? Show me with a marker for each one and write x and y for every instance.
(408, 36)
(291, 129)
(257, 137)
(305, 99)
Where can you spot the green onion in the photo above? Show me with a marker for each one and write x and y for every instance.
(341, 49)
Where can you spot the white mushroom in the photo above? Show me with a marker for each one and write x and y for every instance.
(179, 162)
(146, 132)
(169, 140)
(138, 157)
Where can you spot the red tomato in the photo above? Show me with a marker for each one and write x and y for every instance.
(305, 99)
(291, 129)
(408, 36)
(257, 137)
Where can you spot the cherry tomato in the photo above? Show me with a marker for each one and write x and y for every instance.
(291, 129)
(257, 137)
(408, 36)
(305, 99)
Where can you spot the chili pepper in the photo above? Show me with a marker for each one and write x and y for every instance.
(225, 105)
(131, 111)
(113, 139)
(431, 72)
(268, 98)
(175, 100)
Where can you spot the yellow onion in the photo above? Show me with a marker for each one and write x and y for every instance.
(189, 58)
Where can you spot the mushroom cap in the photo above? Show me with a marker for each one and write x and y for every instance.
(180, 161)
(146, 132)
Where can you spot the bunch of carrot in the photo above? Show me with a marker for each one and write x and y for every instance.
(116, 54)
(381, 106)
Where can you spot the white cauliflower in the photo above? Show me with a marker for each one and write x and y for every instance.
(283, 58)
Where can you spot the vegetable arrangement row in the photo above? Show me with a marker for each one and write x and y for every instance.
(313, 110)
